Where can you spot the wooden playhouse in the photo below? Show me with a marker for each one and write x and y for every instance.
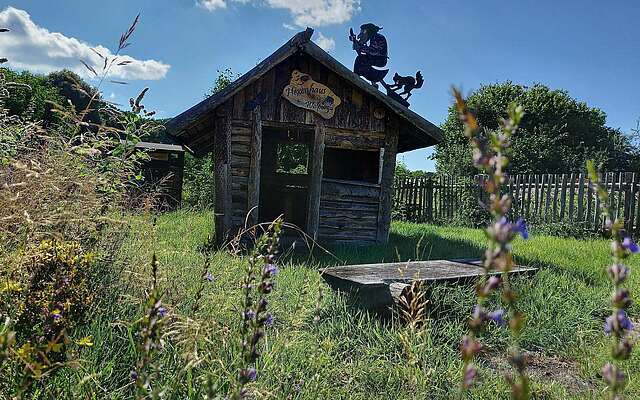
(302, 135)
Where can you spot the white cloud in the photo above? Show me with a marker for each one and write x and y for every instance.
(304, 12)
(326, 43)
(32, 47)
(212, 4)
(318, 12)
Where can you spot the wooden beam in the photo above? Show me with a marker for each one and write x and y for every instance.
(386, 181)
(315, 183)
(226, 189)
(253, 194)
(222, 186)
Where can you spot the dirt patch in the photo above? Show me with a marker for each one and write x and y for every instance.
(544, 368)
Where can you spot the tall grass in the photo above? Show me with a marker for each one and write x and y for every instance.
(348, 352)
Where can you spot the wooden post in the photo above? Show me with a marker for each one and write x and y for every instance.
(528, 204)
(628, 222)
(253, 195)
(222, 179)
(618, 205)
(548, 198)
(536, 190)
(516, 199)
(315, 183)
(388, 169)
(632, 201)
(429, 199)
(636, 190)
(596, 209)
(563, 196)
(572, 191)
(580, 198)
(556, 185)
(608, 203)
(587, 217)
(219, 179)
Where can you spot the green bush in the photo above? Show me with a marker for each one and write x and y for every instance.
(47, 295)
(197, 186)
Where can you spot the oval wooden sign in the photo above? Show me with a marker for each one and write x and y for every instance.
(302, 91)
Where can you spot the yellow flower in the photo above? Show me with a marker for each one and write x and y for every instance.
(24, 352)
(11, 287)
(85, 341)
(55, 347)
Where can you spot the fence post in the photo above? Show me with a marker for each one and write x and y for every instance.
(580, 197)
(429, 199)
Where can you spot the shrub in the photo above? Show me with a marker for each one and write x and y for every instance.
(47, 295)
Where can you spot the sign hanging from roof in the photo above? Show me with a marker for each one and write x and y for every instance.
(302, 91)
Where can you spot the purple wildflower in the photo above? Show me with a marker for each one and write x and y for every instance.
(521, 228)
(470, 374)
(268, 320)
(622, 349)
(630, 245)
(618, 322)
(249, 314)
(208, 276)
(469, 347)
(618, 273)
(266, 286)
(248, 374)
(269, 270)
(613, 376)
(162, 312)
(622, 298)
(497, 316)
(133, 374)
(493, 282)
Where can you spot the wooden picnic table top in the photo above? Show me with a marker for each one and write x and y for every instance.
(372, 282)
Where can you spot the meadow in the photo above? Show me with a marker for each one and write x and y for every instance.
(102, 297)
(321, 345)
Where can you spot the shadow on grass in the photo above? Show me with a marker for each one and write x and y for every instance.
(401, 248)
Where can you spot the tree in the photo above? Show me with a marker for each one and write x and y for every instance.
(31, 93)
(198, 190)
(72, 87)
(403, 172)
(557, 134)
(224, 79)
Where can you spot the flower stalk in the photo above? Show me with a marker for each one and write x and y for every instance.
(490, 158)
(256, 285)
(617, 325)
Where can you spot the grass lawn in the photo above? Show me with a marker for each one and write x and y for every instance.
(349, 353)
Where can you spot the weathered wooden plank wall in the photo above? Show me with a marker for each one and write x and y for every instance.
(538, 198)
(340, 212)
(349, 211)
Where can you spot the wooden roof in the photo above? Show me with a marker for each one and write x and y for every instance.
(418, 132)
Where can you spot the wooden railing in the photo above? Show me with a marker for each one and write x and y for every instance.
(538, 198)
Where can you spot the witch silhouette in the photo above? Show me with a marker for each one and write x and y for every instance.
(371, 47)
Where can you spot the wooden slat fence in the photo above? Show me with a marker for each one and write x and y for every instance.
(538, 198)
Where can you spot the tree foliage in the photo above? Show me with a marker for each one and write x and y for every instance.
(35, 96)
(402, 171)
(198, 191)
(557, 134)
(30, 94)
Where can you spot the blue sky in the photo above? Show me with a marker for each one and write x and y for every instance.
(590, 48)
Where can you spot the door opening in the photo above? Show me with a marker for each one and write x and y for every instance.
(285, 171)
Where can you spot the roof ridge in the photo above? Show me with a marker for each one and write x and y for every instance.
(301, 42)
